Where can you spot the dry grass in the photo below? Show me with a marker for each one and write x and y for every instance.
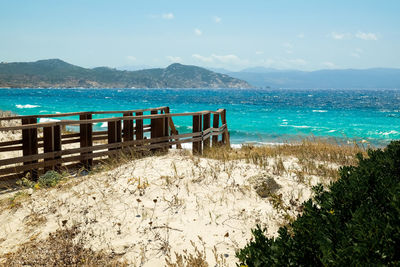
(61, 248)
(316, 149)
(131, 187)
(314, 156)
(196, 259)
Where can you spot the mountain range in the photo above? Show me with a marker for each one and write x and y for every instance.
(55, 73)
(329, 79)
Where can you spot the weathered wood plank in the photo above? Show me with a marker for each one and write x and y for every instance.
(90, 156)
(139, 127)
(30, 143)
(76, 122)
(215, 125)
(86, 140)
(128, 128)
(197, 145)
(206, 127)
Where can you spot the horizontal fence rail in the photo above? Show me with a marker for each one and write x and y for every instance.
(49, 146)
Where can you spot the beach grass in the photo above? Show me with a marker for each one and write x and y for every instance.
(273, 178)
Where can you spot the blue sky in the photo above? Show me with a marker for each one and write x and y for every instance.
(305, 35)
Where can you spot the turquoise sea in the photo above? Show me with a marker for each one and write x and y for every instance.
(264, 116)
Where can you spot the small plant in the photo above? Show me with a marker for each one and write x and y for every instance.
(49, 179)
(25, 182)
(65, 247)
(16, 200)
(198, 259)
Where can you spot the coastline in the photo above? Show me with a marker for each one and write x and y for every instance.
(146, 209)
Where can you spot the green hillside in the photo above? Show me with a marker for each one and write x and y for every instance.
(59, 74)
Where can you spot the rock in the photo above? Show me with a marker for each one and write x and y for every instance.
(264, 185)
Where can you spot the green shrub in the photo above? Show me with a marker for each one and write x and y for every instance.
(355, 222)
(49, 179)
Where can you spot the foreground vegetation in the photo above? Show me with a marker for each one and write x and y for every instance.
(356, 220)
(309, 239)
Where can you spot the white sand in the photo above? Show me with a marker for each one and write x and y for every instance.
(194, 197)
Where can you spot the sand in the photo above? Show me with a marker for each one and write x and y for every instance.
(146, 209)
(154, 206)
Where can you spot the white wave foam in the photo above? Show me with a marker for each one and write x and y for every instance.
(301, 126)
(331, 131)
(320, 110)
(27, 106)
(389, 133)
(104, 125)
(47, 120)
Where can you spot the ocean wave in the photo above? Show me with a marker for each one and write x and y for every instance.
(27, 106)
(388, 133)
(104, 125)
(47, 120)
(300, 126)
(319, 110)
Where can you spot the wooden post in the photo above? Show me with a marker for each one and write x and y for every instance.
(215, 125)
(30, 144)
(128, 128)
(86, 137)
(157, 130)
(139, 127)
(171, 125)
(52, 143)
(153, 124)
(57, 144)
(206, 126)
(48, 144)
(225, 135)
(166, 124)
(196, 146)
(166, 127)
(114, 132)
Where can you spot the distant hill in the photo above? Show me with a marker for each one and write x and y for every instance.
(59, 74)
(346, 78)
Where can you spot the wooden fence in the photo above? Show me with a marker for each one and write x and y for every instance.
(45, 146)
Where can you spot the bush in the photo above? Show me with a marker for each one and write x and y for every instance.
(49, 179)
(356, 221)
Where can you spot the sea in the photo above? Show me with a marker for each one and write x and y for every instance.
(270, 116)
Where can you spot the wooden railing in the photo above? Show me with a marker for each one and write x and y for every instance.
(45, 146)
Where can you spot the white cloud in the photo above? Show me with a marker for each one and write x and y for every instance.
(221, 59)
(328, 64)
(167, 16)
(174, 59)
(259, 52)
(357, 53)
(226, 58)
(217, 19)
(339, 36)
(198, 32)
(131, 58)
(367, 36)
(301, 35)
(202, 58)
(298, 61)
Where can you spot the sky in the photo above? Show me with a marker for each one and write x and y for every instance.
(281, 34)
